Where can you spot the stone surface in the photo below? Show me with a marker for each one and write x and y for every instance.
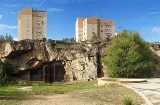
(78, 59)
(81, 61)
(155, 48)
(150, 89)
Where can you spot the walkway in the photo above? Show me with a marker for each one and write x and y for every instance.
(150, 89)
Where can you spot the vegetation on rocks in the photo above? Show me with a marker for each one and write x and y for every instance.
(5, 73)
(128, 56)
(6, 38)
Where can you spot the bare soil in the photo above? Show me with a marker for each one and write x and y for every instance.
(112, 95)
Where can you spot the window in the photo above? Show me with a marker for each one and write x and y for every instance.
(92, 32)
(38, 24)
(92, 28)
(27, 30)
(107, 30)
(101, 30)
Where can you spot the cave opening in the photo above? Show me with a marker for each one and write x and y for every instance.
(50, 73)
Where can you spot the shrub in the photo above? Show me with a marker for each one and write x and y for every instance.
(128, 101)
(128, 56)
(5, 73)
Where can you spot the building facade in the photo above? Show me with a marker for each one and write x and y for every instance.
(86, 28)
(31, 24)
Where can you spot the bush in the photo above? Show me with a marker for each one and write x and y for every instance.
(5, 73)
(128, 101)
(128, 56)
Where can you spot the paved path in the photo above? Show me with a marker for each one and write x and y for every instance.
(150, 89)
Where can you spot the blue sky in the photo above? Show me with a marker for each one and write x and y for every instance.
(142, 16)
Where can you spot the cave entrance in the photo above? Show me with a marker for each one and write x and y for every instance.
(49, 73)
(36, 75)
(54, 73)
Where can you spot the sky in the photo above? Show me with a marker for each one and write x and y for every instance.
(142, 16)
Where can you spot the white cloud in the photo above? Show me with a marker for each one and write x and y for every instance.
(54, 10)
(15, 38)
(41, 3)
(156, 29)
(155, 13)
(12, 13)
(1, 16)
(13, 5)
(6, 27)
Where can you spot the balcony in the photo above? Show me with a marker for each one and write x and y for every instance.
(40, 25)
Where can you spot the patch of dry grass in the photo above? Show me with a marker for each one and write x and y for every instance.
(89, 92)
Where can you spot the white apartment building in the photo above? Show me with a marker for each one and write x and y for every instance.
(87, 27)
(31, 24)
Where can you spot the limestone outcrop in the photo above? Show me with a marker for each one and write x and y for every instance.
(51, 60)
(155, 48)
(55, 61)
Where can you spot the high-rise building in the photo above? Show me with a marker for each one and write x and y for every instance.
(86, 28)
(31, 24)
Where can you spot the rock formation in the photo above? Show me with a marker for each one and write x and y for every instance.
(155, 48)
(52, 60)
(55, 61)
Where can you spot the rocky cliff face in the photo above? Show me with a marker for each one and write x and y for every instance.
(53, 60)
(155, 48)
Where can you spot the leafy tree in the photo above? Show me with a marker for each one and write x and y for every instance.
(6, 38)
(5, 73)
(65, 39)
(94, 37)
(68, 40)
(72, 39)
(128, 56)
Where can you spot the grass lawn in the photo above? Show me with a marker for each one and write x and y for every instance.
(88, 91)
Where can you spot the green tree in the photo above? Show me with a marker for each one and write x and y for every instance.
(72, 39)
(68, 39)
(65, 39)
(128, 56)
(5, 73)
(94, 37)
(6, 38)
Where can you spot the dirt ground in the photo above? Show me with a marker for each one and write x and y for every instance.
(100, 96)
